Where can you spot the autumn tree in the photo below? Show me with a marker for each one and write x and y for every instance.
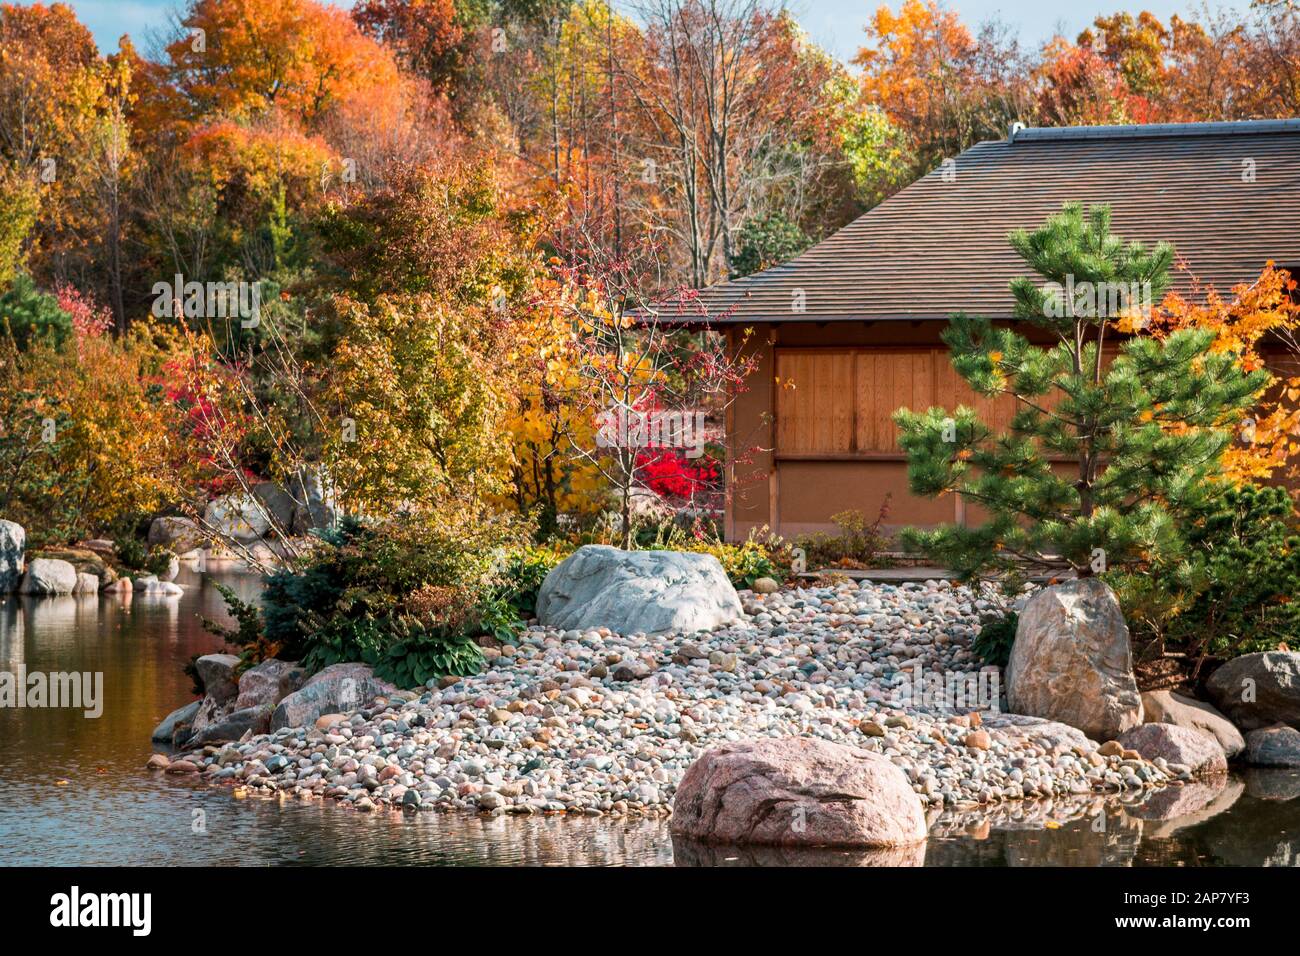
(729, 99)
(1257, 323)
(648, 374)
(946, 87)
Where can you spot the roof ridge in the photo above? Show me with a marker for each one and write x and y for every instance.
(1033, 134)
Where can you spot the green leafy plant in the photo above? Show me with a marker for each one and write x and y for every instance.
(993, 643)
(522, 578)
(758, 556)
(407, 596)
(766, 241)
(136, 556)
(248, 635)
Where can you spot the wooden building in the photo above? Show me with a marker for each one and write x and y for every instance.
(849, 331)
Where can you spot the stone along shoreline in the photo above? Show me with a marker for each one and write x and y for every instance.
(591, 722)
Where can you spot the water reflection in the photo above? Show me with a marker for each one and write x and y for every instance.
(72, 790)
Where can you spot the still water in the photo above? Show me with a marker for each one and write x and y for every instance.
(73, 790)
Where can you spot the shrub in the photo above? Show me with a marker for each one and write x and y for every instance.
(856, 546)
(32, 316)
(672, 475)
(407, 596)
(1236, 593)
(993, 643)
(248, 635)
(757, 557)
(136, 556)
(522, 578)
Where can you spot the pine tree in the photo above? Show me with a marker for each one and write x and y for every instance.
(1105, 462)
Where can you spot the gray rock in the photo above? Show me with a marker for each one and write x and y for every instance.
(231, 726)
(1072, 662)
(238, 516)
(1018, 728)
(1258, 690)
(165, 732)
(1195, 749)
(314, 502)
(339, 688)
(217, 674)
(220, 688)
(1166, 707)
(1277, 746)
(178, 534)
(87, 583)
(278, 503)
(49, 576)
(1272, 783)
(632, 592)
(13, 539)
(269, 683)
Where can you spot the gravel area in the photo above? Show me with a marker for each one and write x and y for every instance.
(596, 723)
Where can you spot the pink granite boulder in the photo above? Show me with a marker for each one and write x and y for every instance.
(797, 791)
(1194, 749)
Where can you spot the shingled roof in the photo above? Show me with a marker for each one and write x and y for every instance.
(1227, 195)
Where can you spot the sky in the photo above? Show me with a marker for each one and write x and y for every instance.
(834, 24)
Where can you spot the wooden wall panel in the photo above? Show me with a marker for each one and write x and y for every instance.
(840, 402)
(814, 402)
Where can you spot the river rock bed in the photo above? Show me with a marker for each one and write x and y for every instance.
(592, 723)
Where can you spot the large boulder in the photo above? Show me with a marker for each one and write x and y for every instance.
(314, 502)
(637, 591)
(236, 516)
(175, 724)
(1258, 690)
(1071, 660)
(83, 560)
(1196, 750)
(13, 540)
(217, 674)
(338, 689)
(797, 791)
(1276, 746)
(277, 503)
(178, 534)
(230, 725)
(269, 683)
(1166, 707)
(49, 576)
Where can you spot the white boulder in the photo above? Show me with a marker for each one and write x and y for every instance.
(632, 592)
(49, 576)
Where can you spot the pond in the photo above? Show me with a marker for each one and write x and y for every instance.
(73, 789)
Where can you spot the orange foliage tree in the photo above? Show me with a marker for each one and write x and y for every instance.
(1253, 316)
